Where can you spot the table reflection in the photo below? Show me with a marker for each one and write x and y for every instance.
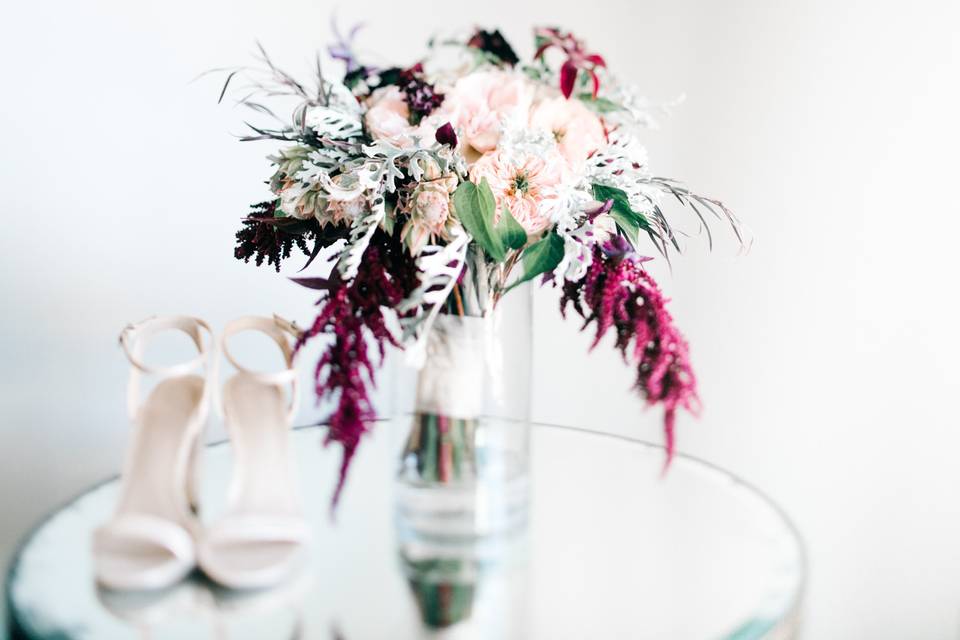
(608, 548)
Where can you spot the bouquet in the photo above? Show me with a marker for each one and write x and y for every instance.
(439, 187)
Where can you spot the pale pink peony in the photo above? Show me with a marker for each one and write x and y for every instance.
(343, 211)
(388, 119)
(577, 130)
(431, 207)
(305, 203)
(310, 203)
(527, 184)
(429, 216)
(480, 103)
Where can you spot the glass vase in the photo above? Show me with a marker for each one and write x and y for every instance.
(465, 460)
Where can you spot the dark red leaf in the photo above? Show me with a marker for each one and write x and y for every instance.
(568, 77)
(596, 83)
(321, 284)
(597, 59)
(317, 247)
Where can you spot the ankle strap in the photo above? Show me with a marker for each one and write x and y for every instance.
(132, 340)
(280, 330)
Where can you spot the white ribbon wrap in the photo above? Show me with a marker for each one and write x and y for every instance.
(451, 382)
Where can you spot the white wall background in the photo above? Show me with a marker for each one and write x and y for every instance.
(827, 357)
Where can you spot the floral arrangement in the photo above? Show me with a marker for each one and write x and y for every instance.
(440, 186)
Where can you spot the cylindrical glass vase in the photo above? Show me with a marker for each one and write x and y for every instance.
(464, 465)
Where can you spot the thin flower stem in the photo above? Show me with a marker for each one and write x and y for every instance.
(459, 300)
(507, 268)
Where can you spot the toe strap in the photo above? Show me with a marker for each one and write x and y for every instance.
(243, 529)
(124, 551)
(253, 551)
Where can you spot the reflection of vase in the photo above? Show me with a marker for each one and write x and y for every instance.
(470, 589)
(464, 465)
(443, 593)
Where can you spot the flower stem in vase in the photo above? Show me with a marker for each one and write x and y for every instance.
(441, 448)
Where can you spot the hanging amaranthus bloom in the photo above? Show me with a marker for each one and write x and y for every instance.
(617, 293)
(352, 313)
(577, 58)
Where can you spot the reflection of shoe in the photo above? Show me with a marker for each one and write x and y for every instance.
(149, 542)
(228, 603)
(151, 608)
(281, 604)
(203, 602)
(262, 538)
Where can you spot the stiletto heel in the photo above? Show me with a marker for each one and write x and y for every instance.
(263, 536)
(149, 541)
(194, 471)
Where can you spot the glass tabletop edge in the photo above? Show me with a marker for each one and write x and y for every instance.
(17, 631)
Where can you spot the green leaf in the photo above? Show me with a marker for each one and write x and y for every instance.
(511, 234)
(475, 206)
(389, 222)
(629, 221)
(541, 257)
(600, 105)
(628, 225)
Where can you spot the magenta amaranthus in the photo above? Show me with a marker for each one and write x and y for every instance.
(617, 293)
(352, 313)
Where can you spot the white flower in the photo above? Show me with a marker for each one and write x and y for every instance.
(622, 163)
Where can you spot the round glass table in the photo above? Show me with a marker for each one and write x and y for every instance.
(612, 548)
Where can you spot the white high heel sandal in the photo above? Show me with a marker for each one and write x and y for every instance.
(262, 538)
(149, 541)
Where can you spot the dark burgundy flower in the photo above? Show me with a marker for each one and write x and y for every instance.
(446, 135)
(265, 237)
(268, 237)
(494, 43)
(618, 294)
(578, 59)
(421, 96)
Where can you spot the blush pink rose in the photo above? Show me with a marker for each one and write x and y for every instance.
(388, 119)
(577, 130)
(480, 103)
(527, 184)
